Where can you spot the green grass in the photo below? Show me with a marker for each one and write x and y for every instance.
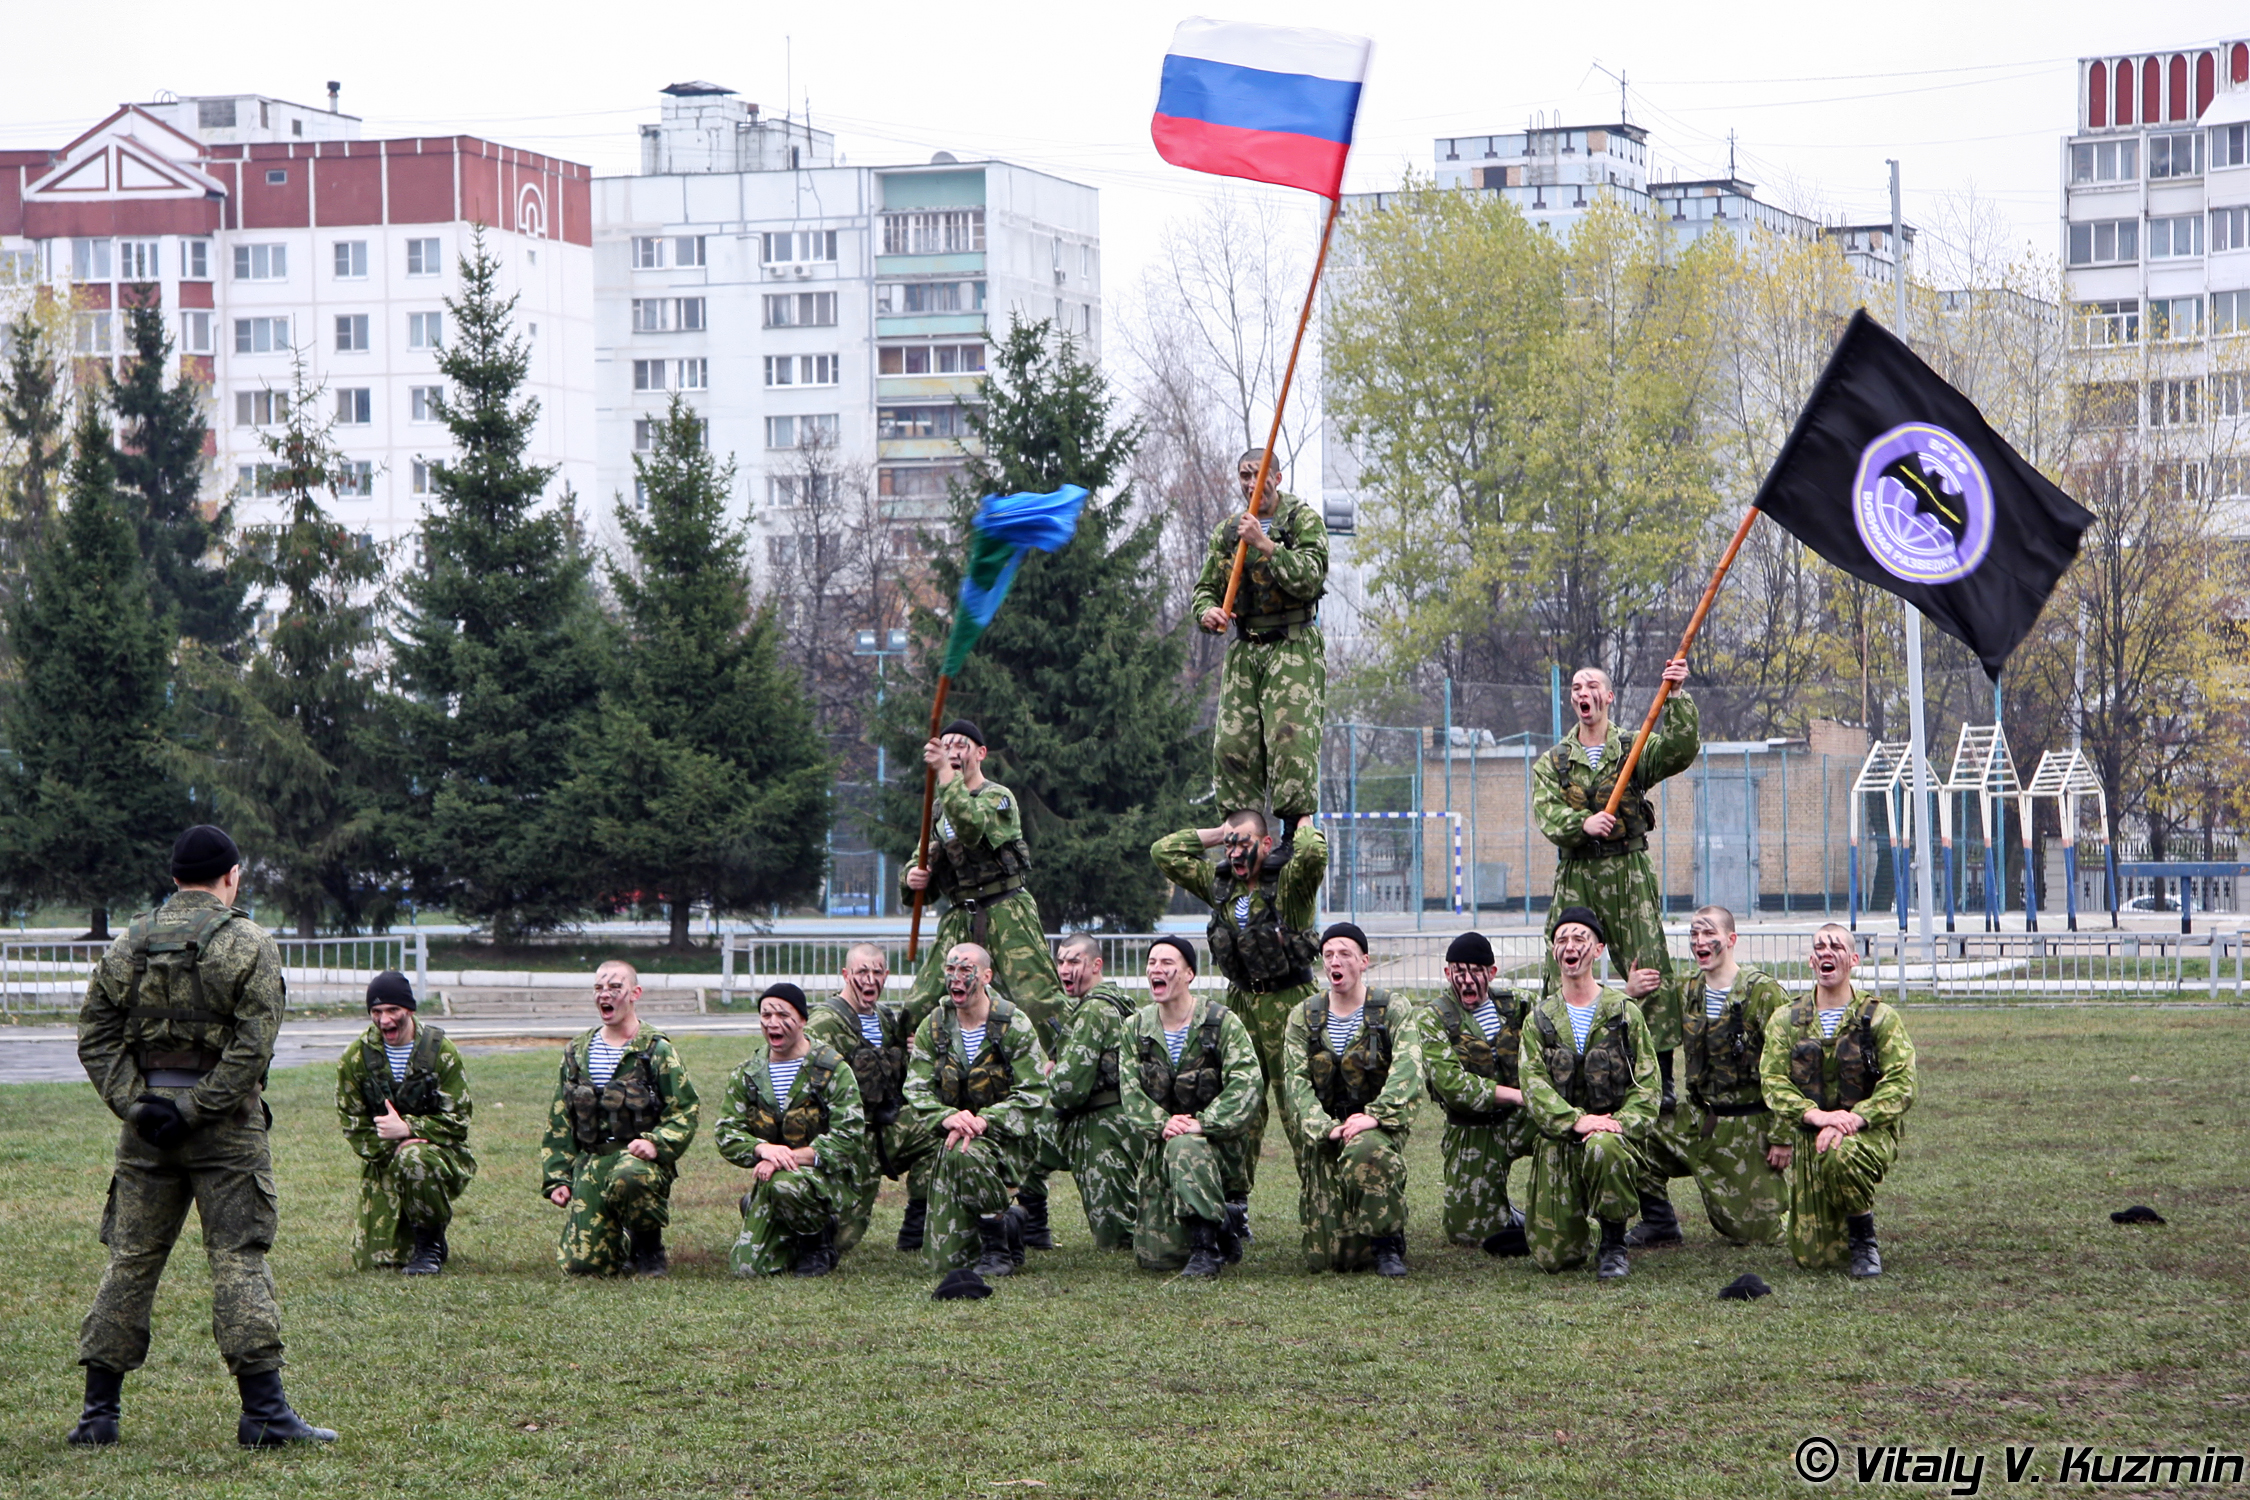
(2013, 1311)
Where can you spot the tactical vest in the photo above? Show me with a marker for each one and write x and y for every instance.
(1635, 814)
(1190, 1088)
(1261, 607)
(1599, 1080)
(982, 872)
(1347, 1083)
(1106, 1068)
(418, 1093)
(1721, 1065)
(625, 1108)
(805, 1118)
(979, 1083)
(168, 959)
(1495, 1058)
(1265, 954)
(1858, 1069)
(879, 1071)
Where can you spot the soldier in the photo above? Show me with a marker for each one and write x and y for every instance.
(978, 1078)
(1091, 1133)
(1589, 1083)
(870, 1033)
(624, 1114)
(1273, 689)
(793, 1119)
(176, 1033)
(1839, 1066)
(1724, 1138)
(402, 1094)
(1602, 858)
(1194, 1094)
(1353, 1066)
(1469, 1050)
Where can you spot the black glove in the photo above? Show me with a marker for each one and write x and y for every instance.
(156, 1120)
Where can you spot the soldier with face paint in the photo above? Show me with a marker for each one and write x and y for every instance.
(793, 1119)
(1089, 1133)
(1470, 1041)
(870, 1033)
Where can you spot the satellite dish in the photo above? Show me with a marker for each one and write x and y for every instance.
(944, 159)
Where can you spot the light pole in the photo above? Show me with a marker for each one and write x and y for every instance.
(892, 643)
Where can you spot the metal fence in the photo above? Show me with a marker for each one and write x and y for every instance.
(52, 976)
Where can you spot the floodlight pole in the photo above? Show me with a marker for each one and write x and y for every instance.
(1917, 733)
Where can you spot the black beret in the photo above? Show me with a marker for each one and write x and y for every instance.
(964, 728)
(1344, 930)
(1470, 948)
(1584, 916)
(960, 1284)
(1181, 946)
(784, 990)
(1747, 1287)
(391, 988)
(203, 854)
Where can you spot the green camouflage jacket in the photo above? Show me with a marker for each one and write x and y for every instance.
(1091, 1061)
(1393, 1106)
(672, 1133)
(839, 1151)
(1556, 1116)
(1451, 1083)
(991, 817)
(1296, 574)
(1225, 1118)
(1019, 1113)
(1184, 861)
(447, 1125)
(1894, 1053)
(1760, 995)
(1559, 802)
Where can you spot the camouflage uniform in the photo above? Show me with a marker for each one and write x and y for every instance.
(822, 1111)
(1483, 1138)
(405, 1185)
(613, 1193)
(898, 1143)
(1801, 1070)
(1095, 1139)
(1614, 876)
(978, 861)
(1354, 1192)
(1188, 1175)
(1720, 1135)
(1005, 1083)
(1273, 689)
(222, 1026)
(1575, 1177)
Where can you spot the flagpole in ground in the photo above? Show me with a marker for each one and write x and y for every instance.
(1918, 734)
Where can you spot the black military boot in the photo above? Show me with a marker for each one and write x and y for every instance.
(1284, 847)
(1390, 1254)
(1867, 1257)
(648, 1253)
(911, 1227)
(1511, 1241)
(1234, 1233)
(1670, 1103)
(1014, 1220)
(429, 1254)
(1036, 1234)
(996, 1257)
(816, 1253)
(97, 1424)
(1659, 1228)
(267, 1421)
(1203, 1262)
(1613, 1263)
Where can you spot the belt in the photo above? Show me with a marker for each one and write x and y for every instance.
(1483, 1121)
(1736, 1111)
(1285, 982)
(1610, 851)
(1269, 637)
(985, 898)
(171, 1078)
(1101, 1099)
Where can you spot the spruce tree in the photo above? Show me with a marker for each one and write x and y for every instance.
(34, 420)
(87, 807)
(1075, 685)
(502, 649)
(702, 779)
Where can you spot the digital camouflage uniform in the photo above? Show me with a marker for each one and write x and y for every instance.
(613, 1193)
(1354, 1192)
(1189, 1175)
(411, 1184)
(822, 1111)
(1720, 1133)
(1614, 876)
(223, 1028)
(978, 861)
(898, 1143)
(1483, 1138)
(1801, 1070)
(1088, 1130)
(1273, 688)
(1006, 1084)
(1573, 1177)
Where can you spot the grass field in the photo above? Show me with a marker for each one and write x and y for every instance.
(2013, 1312)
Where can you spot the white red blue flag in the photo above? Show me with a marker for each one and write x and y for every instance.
(1270, 103)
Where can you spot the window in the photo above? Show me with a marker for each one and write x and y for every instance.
(800, 432)
(687, 250)
(351, 333)
(260, 408)
(801, 369)
(355, 406)
(785, 246)
(214, 114)
(2105, 242)
(2105, 403)
(425, 330)
(919, 422)
(2109, 322)
(2230, 395)
(137, 261)
(2175, 155)
(801, 310)
(423, 258)
(419, 481)
(668, 314)
(2175, 403)
(2230, 312)
(921, 483)
(2230, 145)
(89, 260)
(644, 434)
(276, 176)
(2230, 229)
(2172, 239)
(693, 374)
(261, 262)
(908, 298)
(648, 252)
(943, 232)
(422, 402)
(260, 335)
(195, 333)
(791, 490)
(671, 374)
(195, 257)
(257, 479)
(89, 333)
(2175, 318)
(355, 477)
(931, 359)
(18, 265)
(351, 259)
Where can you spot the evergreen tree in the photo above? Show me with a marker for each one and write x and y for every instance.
(703, 778)
(1075, 685)
(33, 420)
(160, 462)
(87, 809)
(502, 650)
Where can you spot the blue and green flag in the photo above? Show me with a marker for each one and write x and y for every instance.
(1004, 528)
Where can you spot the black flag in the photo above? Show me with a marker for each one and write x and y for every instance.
(1895, 477)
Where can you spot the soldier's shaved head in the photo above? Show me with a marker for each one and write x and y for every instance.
(1083, 941)
(632, 975)
(1599, 674)
(1717, 916)
(858, 951)
(1248, 817)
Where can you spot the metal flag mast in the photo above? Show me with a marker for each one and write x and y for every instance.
(1918, 734)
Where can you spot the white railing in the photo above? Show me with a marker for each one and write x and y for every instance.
(52, 976)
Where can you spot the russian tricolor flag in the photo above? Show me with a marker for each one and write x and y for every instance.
(1270, 103)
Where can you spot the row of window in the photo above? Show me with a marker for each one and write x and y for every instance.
(2168, 318)
(812, 369)
(354, 405)
(811, 309)
(2116, 242)
(657, 252)
(98, 332)
(142, 260)
(2178, 401)
(2174, 155)
(355, 479)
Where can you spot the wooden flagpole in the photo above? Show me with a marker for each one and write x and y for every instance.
(929, 795)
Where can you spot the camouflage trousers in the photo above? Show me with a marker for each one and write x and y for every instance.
(1477, 1160)
(1186, 1177)
(1023, 968)
(1273, 699)
(785, 1205)
(1267, 1017)
(1744, 1198)
(224, 1169)
(1349, 1194)
(1828, 1187)
(967, 1185)
(1571, 1182)
(1622, 892)
(1104, 1157)
(612, 1195)
(902, 1149)
(414, 1190)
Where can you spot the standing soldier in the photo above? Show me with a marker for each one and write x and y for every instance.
(624, 1114)
(402, 1094)
(792, 1118)
(1839, 1067)
(1273, 689)
(1469, 1049)
(870, 1033)
(176, 1032)
(1092, 1136)
(1601, 859)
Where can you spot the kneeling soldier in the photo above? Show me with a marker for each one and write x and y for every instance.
(1195, 1094)
(1091, 1134)
(1352, 1067)
(793, 1118)
(403, 1096)
(1839, 1065)
(1590, 1084)
(870, 1033)
(624, 1114)
(977, 1077)
(1469, 1050)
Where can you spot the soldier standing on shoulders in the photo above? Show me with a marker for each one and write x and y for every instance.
(792, 1117)
(1089, 1133)
(402, 1093)
(1470, 1043)
(870, 1033)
